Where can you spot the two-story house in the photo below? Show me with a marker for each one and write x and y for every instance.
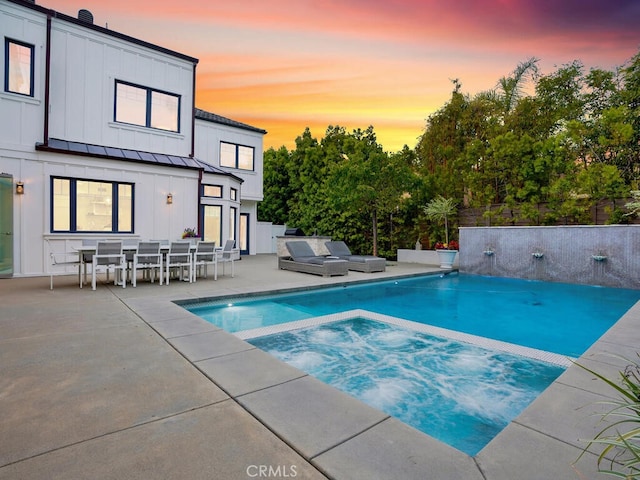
(100, 138)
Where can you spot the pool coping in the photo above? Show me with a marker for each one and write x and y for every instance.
(337, 433)
(483, 342)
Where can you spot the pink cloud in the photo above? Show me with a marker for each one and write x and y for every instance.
(389, 63)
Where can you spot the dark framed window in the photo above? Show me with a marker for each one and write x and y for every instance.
(212, 223)
(138, 105)
(84, 206)
(214, 191)
(236, 156)
(18, 67)
(233, 195)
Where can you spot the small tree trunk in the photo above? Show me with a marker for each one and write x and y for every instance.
(374, 226)
(446, 231)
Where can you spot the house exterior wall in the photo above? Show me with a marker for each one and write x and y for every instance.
(85, 64)
(225, 202)
(154, 218)
(207, 148)
(208, 136)
(21, 118)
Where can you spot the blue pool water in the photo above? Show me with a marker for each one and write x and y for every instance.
(560, 318)
(461, 394)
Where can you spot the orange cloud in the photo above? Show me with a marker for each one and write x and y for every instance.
(284, 65)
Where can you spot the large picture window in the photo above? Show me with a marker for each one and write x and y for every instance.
(236, 156)
(18, 59)
(147, 107)
(82, 206)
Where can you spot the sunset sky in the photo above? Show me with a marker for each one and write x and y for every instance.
(283, 65)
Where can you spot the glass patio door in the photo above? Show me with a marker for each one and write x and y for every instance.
(244, 234)
(6, 225)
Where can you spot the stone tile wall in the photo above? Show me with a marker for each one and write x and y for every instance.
(594, 255)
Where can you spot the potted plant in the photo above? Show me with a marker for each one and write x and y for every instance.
(440, 209)
(191, 234)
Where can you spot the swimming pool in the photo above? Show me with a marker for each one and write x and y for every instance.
(459, 393)
(561, 318)
(468, 350)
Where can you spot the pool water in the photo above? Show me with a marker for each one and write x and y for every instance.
(459, 393)
(561, 318)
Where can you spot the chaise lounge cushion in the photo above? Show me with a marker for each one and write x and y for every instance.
(360, 263)
(302, 252)
(303, 259)
(338, 249)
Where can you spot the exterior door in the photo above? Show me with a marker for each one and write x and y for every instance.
(6, 225)
(243, 240)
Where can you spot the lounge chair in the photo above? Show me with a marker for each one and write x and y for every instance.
(303, 259)
(359, 263)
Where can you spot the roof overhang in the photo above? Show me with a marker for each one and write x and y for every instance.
(55, 145)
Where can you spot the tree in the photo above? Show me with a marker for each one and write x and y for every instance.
(574, 140)
(630, 98)
(511, 89)
(367, 180)
(634, 205)
(441, 209)
(308, 170)
(276, 186)
(560, 98)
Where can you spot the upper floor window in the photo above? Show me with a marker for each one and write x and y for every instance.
(81, 206)
(212, 191)
(18, 59)
(233, 194)
(147, 107)
(236, 156)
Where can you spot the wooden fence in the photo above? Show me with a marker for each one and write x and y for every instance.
(596, 215)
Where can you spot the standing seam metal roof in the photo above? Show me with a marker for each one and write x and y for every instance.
(212, 117)
(77, 148)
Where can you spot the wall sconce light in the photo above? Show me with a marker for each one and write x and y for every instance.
(19, 188)
(169, 198)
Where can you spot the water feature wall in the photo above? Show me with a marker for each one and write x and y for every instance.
(586, 254)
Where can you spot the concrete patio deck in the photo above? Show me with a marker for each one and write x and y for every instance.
(124, 384)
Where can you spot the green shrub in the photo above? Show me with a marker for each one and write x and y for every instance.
(621, 438)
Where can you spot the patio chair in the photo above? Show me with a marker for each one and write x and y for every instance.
(64, 259)
(109, 256)
(89, 248)
(226, 255)
(147, 258)
(303, 259)
(359, 263)
(129, 248)
(205, 255)
(179, 258)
